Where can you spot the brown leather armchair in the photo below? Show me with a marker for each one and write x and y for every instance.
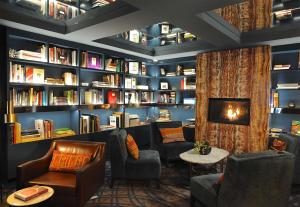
(70, 189)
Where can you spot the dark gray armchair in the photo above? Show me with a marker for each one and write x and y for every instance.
(250, 180)
(171, 151)
(123, 166)
(293, 146)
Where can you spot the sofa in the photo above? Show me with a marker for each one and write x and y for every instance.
(123, 166)
(251, 179)
(171, 151)
(71, 189)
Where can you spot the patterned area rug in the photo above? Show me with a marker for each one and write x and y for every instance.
(174, 191)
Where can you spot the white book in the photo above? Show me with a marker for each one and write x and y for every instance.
(39, 125)
(113, 121)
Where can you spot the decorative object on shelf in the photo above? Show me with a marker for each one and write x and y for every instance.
(202, 147)
(12, 53)
(165, 29)
(164, 85)
(162, 72)
(133, 68)
(179, 70)
(134, 36)
(144, 70)
(275, 97)
(291, 105)
(278, 145)
(282, 67)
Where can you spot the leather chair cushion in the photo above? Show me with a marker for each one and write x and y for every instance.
(148, 166)
(77, 148)
(62, 183)
(202, 188)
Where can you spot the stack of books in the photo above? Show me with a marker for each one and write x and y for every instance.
(189, 101)
(108, 81)
(275, 132)
(187, 71)
(63, 132)
(89, 123)
(93, 97)
(288, 86)
(282, 67)
(30, 97)
(171, 74)
(45, 128)
(40, 55)
(114, 65)
(283, 15)
(164, 115)
(63, 56)
(27, 194)
(54, 81)
(101, 3)
(70, 98)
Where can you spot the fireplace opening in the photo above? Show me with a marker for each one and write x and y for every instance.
(229, 111)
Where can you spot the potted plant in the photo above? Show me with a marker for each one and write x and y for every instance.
(202, 147)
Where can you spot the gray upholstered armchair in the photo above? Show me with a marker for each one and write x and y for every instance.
(123, 166)
(171, 151)
(293, 146)
(250, 180)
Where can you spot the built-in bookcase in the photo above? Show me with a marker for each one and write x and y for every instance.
(285, 75)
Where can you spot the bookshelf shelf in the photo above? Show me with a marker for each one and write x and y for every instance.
(40, 63)
(284, 110)
(99, 71)
(33, 109)
(138, 76)
(177, 76)
(108, 88)
(41, 85)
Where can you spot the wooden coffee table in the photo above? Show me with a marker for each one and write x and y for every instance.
(215, 156)
(12, 201)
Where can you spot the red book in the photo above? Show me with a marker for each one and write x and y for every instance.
(112, 97)
(30, 193)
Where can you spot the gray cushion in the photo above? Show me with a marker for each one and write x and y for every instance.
(172, 150)
(146, 167)
(202, 188)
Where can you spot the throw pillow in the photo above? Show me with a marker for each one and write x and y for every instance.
(217, 185)
(132, 147)
(170, 135)
(68, 162)
(278, 145)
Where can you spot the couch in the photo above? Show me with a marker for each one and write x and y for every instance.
(250, 180)
(70, 189)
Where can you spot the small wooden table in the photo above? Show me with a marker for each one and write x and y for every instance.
(192, 157)
(12, 201)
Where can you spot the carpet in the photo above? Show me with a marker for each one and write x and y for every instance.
(173, 191)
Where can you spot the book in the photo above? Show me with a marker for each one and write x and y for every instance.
(30, 193)
(17, 73)
(282, 67)
(128, 83)
(38, 75)
(89, 123)
(295, 128)
(93, 97)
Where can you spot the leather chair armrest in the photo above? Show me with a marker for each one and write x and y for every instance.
(90, 178)
(32, 169)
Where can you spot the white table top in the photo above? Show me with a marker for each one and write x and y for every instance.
(213, 157)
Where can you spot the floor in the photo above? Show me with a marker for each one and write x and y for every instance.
(173, 191)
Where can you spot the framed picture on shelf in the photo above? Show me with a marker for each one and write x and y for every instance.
(165, 29)
(134, 36)
(164, 85)
(134, 68)
(162, 72)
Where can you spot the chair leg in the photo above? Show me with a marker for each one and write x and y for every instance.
(192, 201)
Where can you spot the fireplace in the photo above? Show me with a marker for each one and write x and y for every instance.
(229, 111)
